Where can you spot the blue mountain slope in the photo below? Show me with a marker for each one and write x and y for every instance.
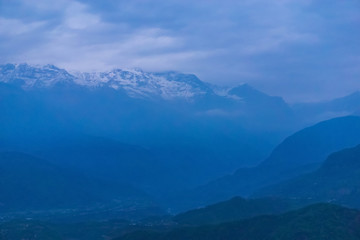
(337, 180)
(300, 153)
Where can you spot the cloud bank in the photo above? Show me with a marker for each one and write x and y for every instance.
(302, 50)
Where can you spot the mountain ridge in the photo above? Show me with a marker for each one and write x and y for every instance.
(337, 180)
(286, 161)
(137, 83)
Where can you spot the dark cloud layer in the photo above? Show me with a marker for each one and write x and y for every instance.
(302, 50)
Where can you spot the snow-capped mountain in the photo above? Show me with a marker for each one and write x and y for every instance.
(136, 83)
(34, 76)
(242, 101)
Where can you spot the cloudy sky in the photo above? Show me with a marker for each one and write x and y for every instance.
(303, 50)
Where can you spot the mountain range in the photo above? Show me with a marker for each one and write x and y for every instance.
(134, 106)
(114, 125)
(241, 101)
(165, 133)
(135, 83)
(299, 153)
(337, 181)
(310, 112)
(129, 144)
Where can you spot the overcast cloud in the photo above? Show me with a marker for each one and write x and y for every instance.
(302, 50)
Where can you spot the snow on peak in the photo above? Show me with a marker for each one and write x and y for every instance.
(135, 82)
(30, 76)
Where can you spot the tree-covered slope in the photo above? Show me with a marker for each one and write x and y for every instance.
(320, 221)
(235, 209)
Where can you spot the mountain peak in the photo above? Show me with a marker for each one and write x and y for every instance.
(34, 76)
(247, 91)
(135, 82)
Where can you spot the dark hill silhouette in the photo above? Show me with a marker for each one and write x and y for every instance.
(320, 221)
(236, 209)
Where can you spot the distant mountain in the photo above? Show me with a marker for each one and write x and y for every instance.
(40, 116)
(318, 111)
(196, 131)
(29, 77)
(260, 101)
(103, 158)
(186, 90)
(29, 184)
(236, 209)
(187, 130)
(261, 108)
(112, 161)
(320, 221)
(313, 144)
(338, 181)
(136, 83)
(300, 153)
(135, 88)
(140, 84)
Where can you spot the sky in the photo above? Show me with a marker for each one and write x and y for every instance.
(302, 50)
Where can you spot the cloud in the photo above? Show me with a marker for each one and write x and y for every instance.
(283, 47)
(275, 38)
(76, 17)
(13, 27)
